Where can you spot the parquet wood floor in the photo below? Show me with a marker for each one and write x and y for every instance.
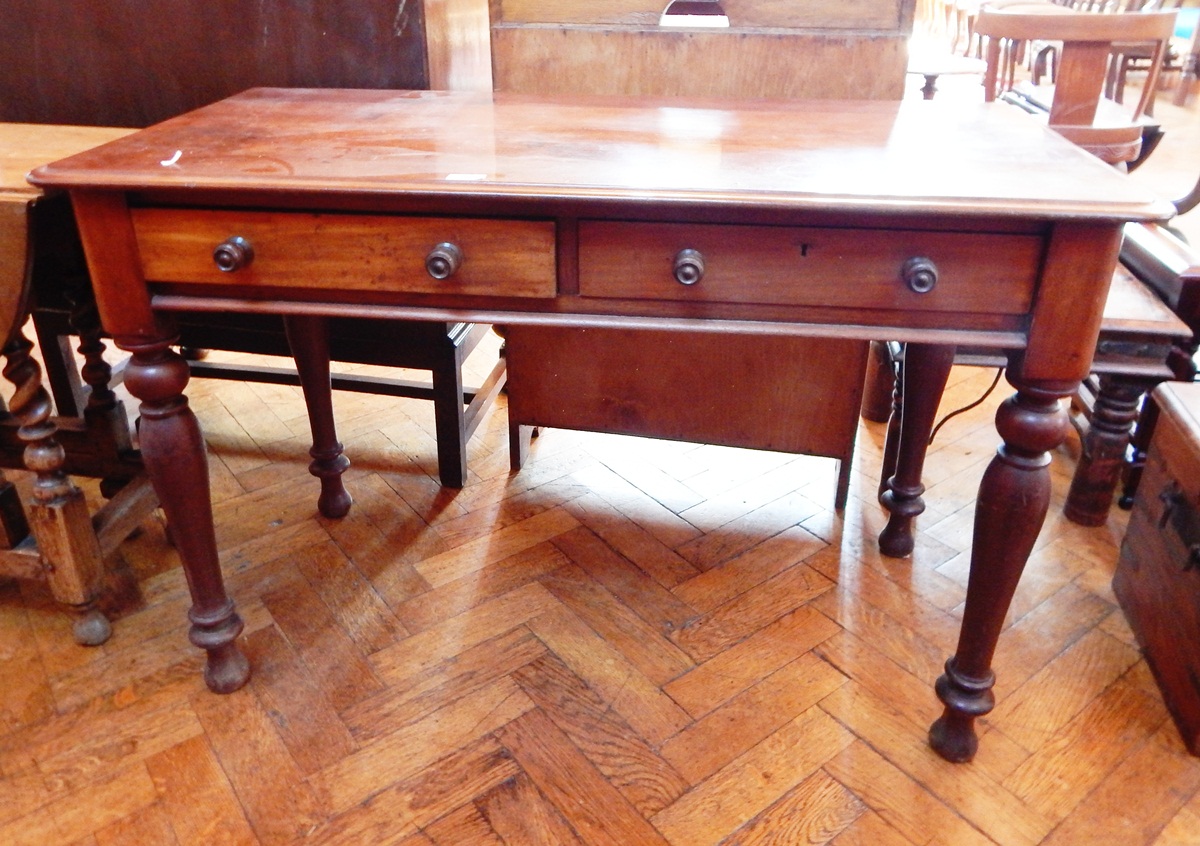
(629, 642)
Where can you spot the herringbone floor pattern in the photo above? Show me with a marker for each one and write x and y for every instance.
(628, 642)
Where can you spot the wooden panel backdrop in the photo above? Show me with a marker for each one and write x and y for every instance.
(133, 63)
(800, 49)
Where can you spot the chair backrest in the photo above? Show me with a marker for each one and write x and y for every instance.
(1078, 110)
(788, 49)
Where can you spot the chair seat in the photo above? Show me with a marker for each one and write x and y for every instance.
(1109, 114)
(1112, 136)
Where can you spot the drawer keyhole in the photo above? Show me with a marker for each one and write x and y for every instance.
(233, 254)
(689, 267)
(443, 260)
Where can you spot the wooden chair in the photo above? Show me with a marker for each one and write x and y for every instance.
(592, 379)
(1077, 109)
(439, 348)
(1129, 57)
(1189, 64)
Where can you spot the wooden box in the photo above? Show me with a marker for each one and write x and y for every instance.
(1158, 575)
(785, 394)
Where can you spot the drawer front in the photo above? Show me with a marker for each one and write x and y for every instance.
(775, 265)
(504, 258)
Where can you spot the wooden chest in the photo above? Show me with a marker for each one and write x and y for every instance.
(1158, 575)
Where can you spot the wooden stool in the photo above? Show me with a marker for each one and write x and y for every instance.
(934, 65)
(68, 545)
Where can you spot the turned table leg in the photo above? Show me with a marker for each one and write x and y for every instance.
(173, 450)
(1013, 498)
(308, 337)
(924, 372)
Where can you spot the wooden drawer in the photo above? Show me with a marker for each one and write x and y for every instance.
(502, 258)
(1157, 580)
(809, 266)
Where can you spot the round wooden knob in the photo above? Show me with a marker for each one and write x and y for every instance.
(443, 260)
(689, 267)
(919, 274)
(233, 254)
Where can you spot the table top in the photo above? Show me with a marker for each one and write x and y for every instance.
(855, 156)
(24, 146)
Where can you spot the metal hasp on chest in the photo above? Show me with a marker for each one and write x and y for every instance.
(905, 220)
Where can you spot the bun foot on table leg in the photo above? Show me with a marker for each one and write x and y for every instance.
(334, 501)
(227, 668)
(896, 540)
(334, 504)
(953, 734)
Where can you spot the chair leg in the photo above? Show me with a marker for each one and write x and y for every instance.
(1139, 448)
(519, 438)
(308, 337)
(1104, 447)
(66, 386)
(842, 491)
(449, 419)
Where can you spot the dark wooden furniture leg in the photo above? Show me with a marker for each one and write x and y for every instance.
(173, 450)
(1104, 449)
(58, 513)
(520, 437)
(1013, 499)
(1140, 448)
(924, 372)
(308, 337)
(449, 419)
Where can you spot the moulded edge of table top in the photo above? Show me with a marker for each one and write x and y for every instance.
(899, 157)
